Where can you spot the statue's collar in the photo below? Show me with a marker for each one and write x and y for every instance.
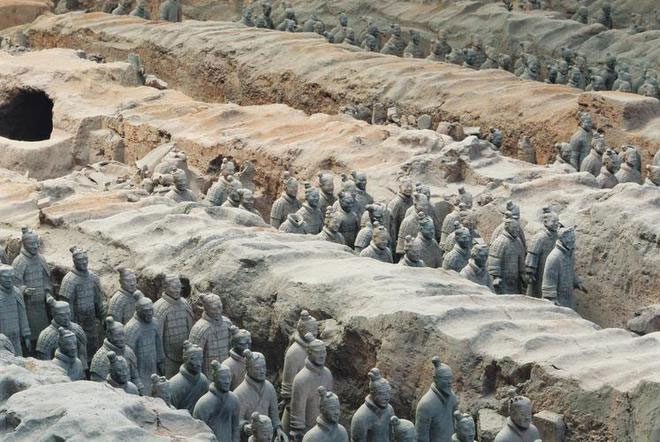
(192, 378)
(373, 407)
(113, 347)
(313, 367)
(325, 425)
(235, 356)
(219, 394)
(64, 358)
(170, 299)
(257, 385)
(288, 198)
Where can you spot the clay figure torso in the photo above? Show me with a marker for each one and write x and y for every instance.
(383, 255)
(47, 342)
(350, 225)
(506, 261)
(592, 163)
(326, 432)
(257, 397)
(221, 412)
(32, 272)
(305, 403)
(13, 317)
(145, 341)
(371, 423)
(512, 433)
(478, 275)
(456, 259)
(187, 388)
(559, 277)
(72, 366)
(213, 337)
(312, 217)
(539, 248)
(434, 419)
(82, 290)
(122, 305)
(236, 364)
(606, 179)
(99, 368)
(175, 319)
(282, 207)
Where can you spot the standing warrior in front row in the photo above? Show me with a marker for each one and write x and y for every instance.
(506, 263)
(122, 304)
(539, 248)
(559, 278)
(435, 410)
(13, 318)
(287, 203)
(82, 290)
(47, 342)
(371, 422)
(211, 332)
(327, 427)
(219, 408)
(143, 337)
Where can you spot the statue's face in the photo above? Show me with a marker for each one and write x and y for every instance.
(327, 184)
(292, 188)
(242, 344)
(427, 230)
(120, 374)
(31, 245)
(194, 362)
(361, 181)
(69, 348)
(586, 123)
(146, 313)
(313, 197)
(117, 336)
(80, 262)
(333, 223)
(343, 20)
(223, 381)
(406, 188)
(173, 288)
(310, 327)
(521, 415)
(7, 279)
(481, 258)
(317, 355)
(257, 370)
(181, 183)
(466, 431)
(214, 308)
(382, 396)
(512, 226)
(414, 252)
(551, 223)
(464, 239)
(331, 411)
(568, 240)
(421, 203)
(347, 201)
(62, 317)
(381, 239)
(129, 282)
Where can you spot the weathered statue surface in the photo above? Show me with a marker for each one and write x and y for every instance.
(430, 251)
(331, 225)
(403, 430)
(118, 373)
(378, 248)
(189, 384)
(539, 248)
(459, 255)
(327, 428)
(414, 48)
(434, 418)
(47, 342)
(66, 355)
(606, 179)
(476, 269)
(594, 161)
(294, 223)
(219, 407)
(374, 213)
(465, 430)
(122, 304)
(326, 192)
(349, 222)
(287, 203)
(141, 10)
(170, 10)
(398, 206)
(241, 340)
(310, 212)
(410, 224)
(629, 172)
(559, 278)
(412, 254)
(395, 45)
(13, 317)
(506, 263)
(217, 193)
(211, 332)
(581, 140)
(180, 192)
(371, 422)
(174, 317)
(519, 427)
(144, 338)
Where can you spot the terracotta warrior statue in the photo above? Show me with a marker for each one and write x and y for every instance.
(434, 418)
(66, 355)
(539, 248)
(181, 192)
(440, 48)
(305, 401)
(414, 48)
(374, 213)
(519, 427)
(349, 221)
(189, 384)
(310, 211)
(412, 254)
(82, 290)
(476, 270)
(118, 373)
(327, 192)
(170, 10)
(31, 271)
(395, 45)
(410, 224)
(234, 194)
(371, 422)
(331, 225)
(581, 140)
(122, 304)
(219, 407)
(449, 223)
(294, 223)
(459, 255)
(327, 428)
(241, 340)
(513, 210)
(294, 360)
(340, 31)
(402, 430)
(287, 203)
(594, 161)
(430, 251)
(174, 317)
(115, 342)
(257, 395)
(362, 197)
(211, 332)
(259, 428)
(144, 338)
(606, 179)
(465, 429)
(378, 248)
(47, 342)
(13, 318)
(247, 202)
(218, 192)
(559, 278)
(506, 263)
(160, 388)
(398, 206)
(123, 8)
(140, 10)
(629, 171)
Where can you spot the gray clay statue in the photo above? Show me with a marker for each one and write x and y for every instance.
(218, 192)
(122, 304)
(459, 255)
(144, 338)
(349, 222)
(241, 340)
(559, 278)
(115, 342)
(123, 8)
(109, 6)
(47, 342)
(211, 332)
(327, 428)
(511, 210)
(594, 161)
(294, 223)
(440, 48)
(82, 290)
(395, 45)
(434, 418)
(174, 317)
(247, 18)
(362, 197)
(257, 395)
(410, 224)
(219, 407)
(402, 430)
(606, 179)
(374, 213)
(294, 359)
(13, 317)
(310, 212)
(414, 48)
(140, 10)
(476, 269)
(327, 192)
(465, 430)
(265, 21)
(628, 171)
(287, 203)
(118, 373)
(331, 226)
(32, 272)
(506, 262)
(180, 192)
(449, 223)
(398, 206)
(260, 428)
(189, 384)
(305, 401)
(160, 388)
(412, 253)
(539, 248)
(519, 427)
(371, 422)
(378, 247)
(430, 251)
(581, 140)
(66, 355)
(605, 16)
(341, 31)
(6, 345)
(170, 10)
(247, 202)
(234, 193)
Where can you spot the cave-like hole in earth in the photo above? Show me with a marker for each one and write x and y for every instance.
(26, 114)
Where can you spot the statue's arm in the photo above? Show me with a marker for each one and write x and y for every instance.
(550, 279)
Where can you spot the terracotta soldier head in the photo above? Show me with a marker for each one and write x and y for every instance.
(463, 237)
(114, 332)
(312, 195)
(221, 376)
(585, 121)
(611, 161)
(118, 368)
(412, 249)
(330, 406)
(421, 202)
(241, 340)
(402, 430)
(511, 224)
(160, 387)
(290, 185)
(144, 309)
(465, 429)
(193, 357)
(520, 411)
(307, 324)
(80, 260)
(316, 351)
(212, 305)
(180, 179)
(6, 277)
(67, 343)
(379, 389)
(346, 200)
(567, 237)
(376, 211)
(479, 255)
(173, 286)
(255, 364)
(442, 375)
(426, 226)
(247, 198)
(332, 220)
(360, 179)
(550, 219)
(60, 311)
(227, 168)
(261, 428)
(30, 241)
(127, 279)
(381, 237)
(406, 188)
(327, 183)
